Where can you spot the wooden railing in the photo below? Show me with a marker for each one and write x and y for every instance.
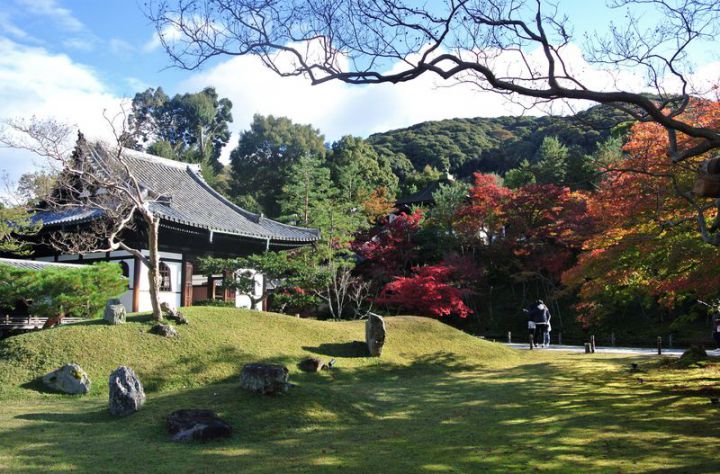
(9, 321)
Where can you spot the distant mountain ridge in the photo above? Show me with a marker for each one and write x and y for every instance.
(494, 144)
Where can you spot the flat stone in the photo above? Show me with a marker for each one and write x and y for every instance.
(164, 330)
(267, 379)
(126, 392)
(69, 378)
(311, 364)
(197, 425)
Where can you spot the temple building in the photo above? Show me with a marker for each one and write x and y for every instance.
(424, 197)
(195, 221)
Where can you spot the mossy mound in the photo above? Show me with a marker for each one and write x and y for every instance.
(219, 341)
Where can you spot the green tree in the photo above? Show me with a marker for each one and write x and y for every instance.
(437, 232)
(520, 176)
(16, 224)
(58, 292)
(277, 267)
(260, 165)
(551, 161)
(449, 198)
(35, 186)
(418, 180)
(358, 170)
(191, 127)
(584, 171)
(308, 190)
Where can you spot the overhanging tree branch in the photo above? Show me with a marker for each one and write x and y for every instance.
(393, 41)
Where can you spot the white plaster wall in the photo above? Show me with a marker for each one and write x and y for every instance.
(243, 300)
(171, 297)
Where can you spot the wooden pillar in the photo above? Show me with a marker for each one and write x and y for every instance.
(211, 288)
(227, 293)
(187, 286)
(137, 268)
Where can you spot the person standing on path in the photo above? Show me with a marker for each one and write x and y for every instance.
(531, 328)
(541, 316)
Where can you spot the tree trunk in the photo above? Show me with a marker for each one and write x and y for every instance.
(154, 268)
(54, 321)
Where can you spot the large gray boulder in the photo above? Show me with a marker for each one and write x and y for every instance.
(197, 425)
(69, 378)
(114, 312)
(126, 392)
(267, 379)
(375, 334)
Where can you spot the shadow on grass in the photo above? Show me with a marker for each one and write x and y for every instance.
(37, 385)
(94, 416)
(340, 349)
(437, 414)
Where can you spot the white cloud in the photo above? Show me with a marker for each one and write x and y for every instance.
(120, 46)
(136, 84)
(9, 28)
(36, 82)
(338, 109)
(79, 43)
(169, 34)
(62, 16)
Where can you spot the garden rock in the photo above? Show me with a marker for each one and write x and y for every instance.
(693, 355)
(69, 378)
(172, 314)
(197, 425)
(267, 379)
(126, 392)
(164, 330)
(311, 364)
(114, 312)
(375, 334)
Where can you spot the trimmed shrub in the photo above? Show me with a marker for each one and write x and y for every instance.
(58, 292)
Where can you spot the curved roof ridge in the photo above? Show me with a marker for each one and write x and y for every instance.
(256, 218)
(310, 230)
(190, 199)
(247, 214)
(141, 155)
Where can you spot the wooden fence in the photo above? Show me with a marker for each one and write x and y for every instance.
(9, 321)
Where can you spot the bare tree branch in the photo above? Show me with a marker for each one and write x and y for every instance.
(394, 41)
(97, 184)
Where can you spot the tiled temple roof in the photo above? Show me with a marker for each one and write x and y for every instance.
(188, 200)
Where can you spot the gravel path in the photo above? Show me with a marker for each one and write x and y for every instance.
(612, 350)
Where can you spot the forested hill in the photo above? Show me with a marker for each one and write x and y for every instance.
(491, 144)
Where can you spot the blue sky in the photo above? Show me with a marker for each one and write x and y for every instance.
(72, 59)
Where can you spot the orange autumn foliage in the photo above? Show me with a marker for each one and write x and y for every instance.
(647, 249)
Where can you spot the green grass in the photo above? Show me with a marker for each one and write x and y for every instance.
(437, 400)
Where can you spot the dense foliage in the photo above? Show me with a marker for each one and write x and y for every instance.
(190, 127)
(15, 225)
(497, 144)
(58, 292)
(646, 262)
(582, 211)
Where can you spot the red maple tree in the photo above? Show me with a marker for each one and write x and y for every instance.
(433, 290)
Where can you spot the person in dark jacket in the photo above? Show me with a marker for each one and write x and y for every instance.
(541, 315)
